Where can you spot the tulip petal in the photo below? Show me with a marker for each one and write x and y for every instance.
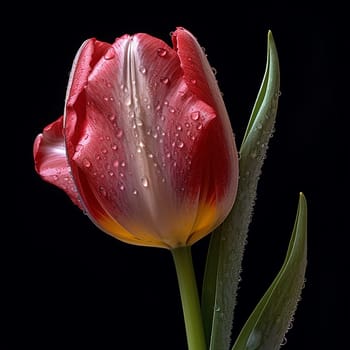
(137, 137)
(201, 81)
(51, 161)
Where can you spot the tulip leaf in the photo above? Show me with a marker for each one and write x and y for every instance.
(223, 265)
(269, 322)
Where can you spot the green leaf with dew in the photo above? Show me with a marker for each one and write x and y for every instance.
(266, 327)
(223, 265)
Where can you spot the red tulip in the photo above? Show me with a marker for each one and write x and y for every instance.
(145, 146)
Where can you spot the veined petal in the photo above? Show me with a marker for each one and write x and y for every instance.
(51, 161)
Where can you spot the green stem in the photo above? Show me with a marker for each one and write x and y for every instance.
(189, 297)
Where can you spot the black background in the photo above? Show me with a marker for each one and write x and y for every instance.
(68, 285)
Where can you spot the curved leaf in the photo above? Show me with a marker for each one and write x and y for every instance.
(226, 248)
(269, 322)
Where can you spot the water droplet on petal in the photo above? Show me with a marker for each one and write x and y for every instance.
(195, 115)
(110, 173)
(103, 191)
(86, 163)
(162, 52)
(179, 144)
(143, 70)
(109, 54)
(164, 80)
(119, 133)
(193, 81)
(114, 147)
(116, 163)
(122, 187)
(111, 117)
(135, 192)
(144, 182)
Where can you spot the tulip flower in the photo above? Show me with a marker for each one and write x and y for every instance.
(145, 146)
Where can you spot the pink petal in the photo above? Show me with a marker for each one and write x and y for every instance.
(51, 160)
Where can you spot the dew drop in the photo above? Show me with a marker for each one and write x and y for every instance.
(284, 341)
(103, 191)
(110, 173)
(122, 187)
(104, 150)
(138, 149)
(109, 54)
(114, 147)
(179, 144)
(121, 174)
(164, 80)
(116, 163)
(253, 155)
(199, 126)
(143, 70)
(135, 192)
(144, 182)
(86, 163)
(55, 177)
(179, 127)
(119, 133)
(106, 98)
(187, 124)
(172, 110)
(122, 164)
(195, 115)
(193, 81)
(162, 52)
